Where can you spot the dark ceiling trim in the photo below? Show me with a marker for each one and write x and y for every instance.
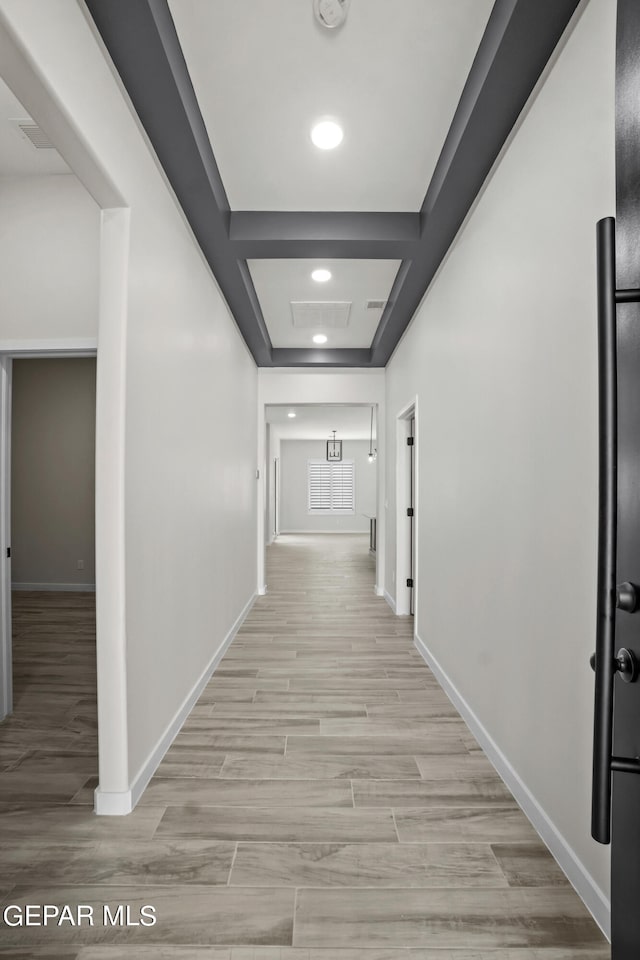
(141, 39)
(294, 235)
(299, 357)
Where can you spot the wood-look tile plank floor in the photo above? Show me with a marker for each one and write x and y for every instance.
(324, 801)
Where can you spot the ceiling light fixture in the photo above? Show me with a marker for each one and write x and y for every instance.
(327, 134)
(372, 453)
(319, 338)
(321, 275)
(334, 448)
(291, 414)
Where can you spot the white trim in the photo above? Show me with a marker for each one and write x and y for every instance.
(112, 804)
(403, 560)
(66, 587)
(69, 347)
(364, 533)
(111, 633)
(389, 600)
(585, 886)
(262, 590)
(118, 803)
(378, 590)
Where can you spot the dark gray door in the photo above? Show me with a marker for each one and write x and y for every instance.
(625, 833)
(616, 752)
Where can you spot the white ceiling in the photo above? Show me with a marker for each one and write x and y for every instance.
(18, 156)
(278, 282)
(316, 422)
(263, 72)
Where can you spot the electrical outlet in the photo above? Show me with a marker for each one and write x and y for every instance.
(80, 564)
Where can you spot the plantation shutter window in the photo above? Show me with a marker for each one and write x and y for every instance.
(331, 487)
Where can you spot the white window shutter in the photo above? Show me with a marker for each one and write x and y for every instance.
(331, 487)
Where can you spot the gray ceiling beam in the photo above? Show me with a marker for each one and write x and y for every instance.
(301, 357)
(516, 46)
(141, 39)
(520, 37)
(257, 235)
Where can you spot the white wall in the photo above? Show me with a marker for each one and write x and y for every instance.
(49, 243)
(502, 358)
(294, 458)
(189, 483)
(53, 473)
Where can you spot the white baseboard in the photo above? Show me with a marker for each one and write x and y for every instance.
(66, 587)
(364, 533)
(379, 591)
(389, 600)
(579, 877)
(262, 590)
(111, 803)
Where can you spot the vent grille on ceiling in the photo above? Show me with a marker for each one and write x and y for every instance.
(376, 304)
(324, 313)
(35, 134)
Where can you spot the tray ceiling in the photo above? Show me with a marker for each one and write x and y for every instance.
(354, 283)
(427, 92)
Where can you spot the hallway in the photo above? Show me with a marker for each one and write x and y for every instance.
(323, 800)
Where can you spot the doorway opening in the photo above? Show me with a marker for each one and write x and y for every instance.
(322, 473)
(52, 603)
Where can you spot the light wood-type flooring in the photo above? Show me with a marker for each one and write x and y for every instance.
(323, 801)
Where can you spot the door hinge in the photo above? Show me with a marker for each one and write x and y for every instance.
(409, 441)
(409, 581)
(8, 553)
(409, 511)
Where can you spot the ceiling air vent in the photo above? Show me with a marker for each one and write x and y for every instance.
(34, 134)
(323, 313)
(376, 304)
(331, 13)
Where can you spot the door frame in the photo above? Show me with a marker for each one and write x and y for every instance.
(403, 484)
(276, 498)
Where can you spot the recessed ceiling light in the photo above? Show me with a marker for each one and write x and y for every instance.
(319, 338)
(327, 134)
(321, 275)
(291, 414)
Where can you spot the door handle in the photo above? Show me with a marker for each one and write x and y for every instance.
(609, 596)
(625, 663)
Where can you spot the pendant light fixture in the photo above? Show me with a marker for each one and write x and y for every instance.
(334, 448)
(372, 452)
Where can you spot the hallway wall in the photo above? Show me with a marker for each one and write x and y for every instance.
(49, 251)
(53, 473)
(190, 473)
(502, 359)
(294, 457)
